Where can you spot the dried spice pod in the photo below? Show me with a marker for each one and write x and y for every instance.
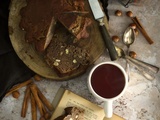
(115, 38)
(132, 54)
(129, 13)
(118, 13)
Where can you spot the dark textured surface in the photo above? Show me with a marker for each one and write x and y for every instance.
(13, 70)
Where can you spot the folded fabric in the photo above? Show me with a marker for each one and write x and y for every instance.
(12, 69)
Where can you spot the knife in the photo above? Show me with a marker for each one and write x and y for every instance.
(99, 15)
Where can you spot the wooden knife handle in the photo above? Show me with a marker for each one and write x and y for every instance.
(109, 44)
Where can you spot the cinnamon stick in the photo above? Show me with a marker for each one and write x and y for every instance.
(36, 97)
(25, 102)
(47, 116)
(46, 113)
(42, 118)
(33, 108)
(15, 88)
(44, 100)
(141, 28)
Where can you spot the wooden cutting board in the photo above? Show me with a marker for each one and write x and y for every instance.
(33, 59)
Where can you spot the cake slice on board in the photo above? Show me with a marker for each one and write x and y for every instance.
(72, 14)
(38, 21)
(35, 60)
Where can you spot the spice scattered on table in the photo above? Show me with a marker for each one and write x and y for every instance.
(118, 13)
(129, 13)
(132, 54)
(35, 97)
(115, 38)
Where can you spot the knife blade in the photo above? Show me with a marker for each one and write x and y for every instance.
(99, 15)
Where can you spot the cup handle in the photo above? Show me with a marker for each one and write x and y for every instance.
(108, 109)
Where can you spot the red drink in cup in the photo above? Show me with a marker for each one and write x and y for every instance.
(107, 81)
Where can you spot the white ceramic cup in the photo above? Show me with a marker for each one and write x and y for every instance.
(116, 81)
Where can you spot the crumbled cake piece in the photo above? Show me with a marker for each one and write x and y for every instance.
(72, 113)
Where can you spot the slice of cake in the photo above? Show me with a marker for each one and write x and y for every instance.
(66, 58)
(72, 113)
(38, 21)
(72, 14)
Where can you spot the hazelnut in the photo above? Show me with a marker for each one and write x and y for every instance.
(115, 38)
(118, 13)
(37, 77)
(16, 94)
(133, 25)
(129, 14)
(136, 32)
(132, 54)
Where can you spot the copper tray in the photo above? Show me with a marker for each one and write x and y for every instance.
(29, 55)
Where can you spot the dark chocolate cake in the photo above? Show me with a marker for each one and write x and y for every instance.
(38, 21)
(39, 17)
(72, 14)
(66, 58)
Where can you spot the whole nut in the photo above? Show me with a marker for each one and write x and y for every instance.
(115, 38)
(118, 13)
(129, 14)
(132, 54)
(37, 77)
(16, 94)
(133, 25)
